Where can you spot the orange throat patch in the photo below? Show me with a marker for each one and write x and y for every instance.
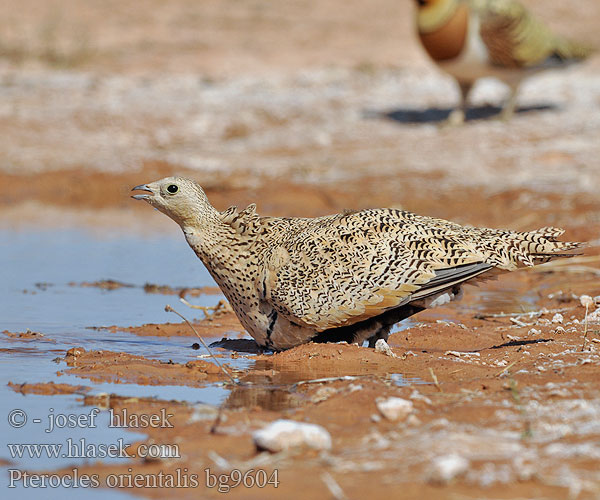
(448, 41)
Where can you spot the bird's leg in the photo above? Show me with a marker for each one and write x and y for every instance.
(382, 333)
(459, 114)
(508, 110)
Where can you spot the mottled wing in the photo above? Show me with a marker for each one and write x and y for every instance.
(340, 270)
(347, 268)
(515, 38)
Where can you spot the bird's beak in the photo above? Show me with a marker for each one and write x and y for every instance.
(142, 187)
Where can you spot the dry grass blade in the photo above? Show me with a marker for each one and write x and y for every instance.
(530, 314)
(210, 312)
(332, 485)
(585, 328)
(168, 308)
(573, 265)
(506, 368)
(435, 380)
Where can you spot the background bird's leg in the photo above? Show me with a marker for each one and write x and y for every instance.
(508, 110)
(459, 114)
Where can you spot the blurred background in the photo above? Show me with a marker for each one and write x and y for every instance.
(305, 107)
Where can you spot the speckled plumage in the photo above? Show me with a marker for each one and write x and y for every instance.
(471, 39)
(348, 276)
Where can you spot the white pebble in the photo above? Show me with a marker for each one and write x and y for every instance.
(284, 434)
(586, 301)
(557, 318)
(445, 468)
(383, 347)
(594, 317)
(417, 396)
(354, 387)
(413, 421)
(395, 408)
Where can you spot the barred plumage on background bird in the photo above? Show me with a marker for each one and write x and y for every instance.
(472, 39)
(348, 276)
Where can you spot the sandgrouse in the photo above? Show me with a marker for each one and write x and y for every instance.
(471, 39)
(343, 277)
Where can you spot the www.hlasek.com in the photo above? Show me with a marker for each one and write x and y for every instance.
(82, 448)
(178, 478)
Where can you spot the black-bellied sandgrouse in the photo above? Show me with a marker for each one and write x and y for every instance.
(472, 39)
(349, 276)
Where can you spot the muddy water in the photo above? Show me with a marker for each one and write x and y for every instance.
(40, 290)
(35, 289)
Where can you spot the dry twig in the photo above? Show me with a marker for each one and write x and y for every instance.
(168, 308)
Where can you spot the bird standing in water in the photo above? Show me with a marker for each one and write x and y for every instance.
(472, 39)
(343, 277)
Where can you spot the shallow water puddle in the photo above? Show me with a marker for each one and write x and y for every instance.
(35, 294)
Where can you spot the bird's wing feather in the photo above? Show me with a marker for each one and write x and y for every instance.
(346, 268)
(339, 270)
(515, 38)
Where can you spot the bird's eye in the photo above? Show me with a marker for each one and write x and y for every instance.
(172, 188)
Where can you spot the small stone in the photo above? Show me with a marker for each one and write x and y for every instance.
(417, 396)
(323, 393)
(285, 434)
(594, 317)
(383, 347)
(557, 318)
(395, 408)
(440, 423)
(413, 421)
(75, 351)
(445, 468)
(202, 412)
(586, 301)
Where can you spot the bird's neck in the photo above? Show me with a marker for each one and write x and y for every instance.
(217, 237)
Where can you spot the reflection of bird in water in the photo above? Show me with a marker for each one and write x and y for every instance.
(349, 276)
(472, 39)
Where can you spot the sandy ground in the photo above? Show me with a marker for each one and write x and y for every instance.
(309, 108)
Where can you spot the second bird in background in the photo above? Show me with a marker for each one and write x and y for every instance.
(472, 39)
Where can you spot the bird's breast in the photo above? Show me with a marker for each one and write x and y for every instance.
(448, 41)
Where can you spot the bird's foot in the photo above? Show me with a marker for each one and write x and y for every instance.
(456, 118)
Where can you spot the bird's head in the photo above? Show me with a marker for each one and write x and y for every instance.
(426, 3)
(183, 200)
(423, 4)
